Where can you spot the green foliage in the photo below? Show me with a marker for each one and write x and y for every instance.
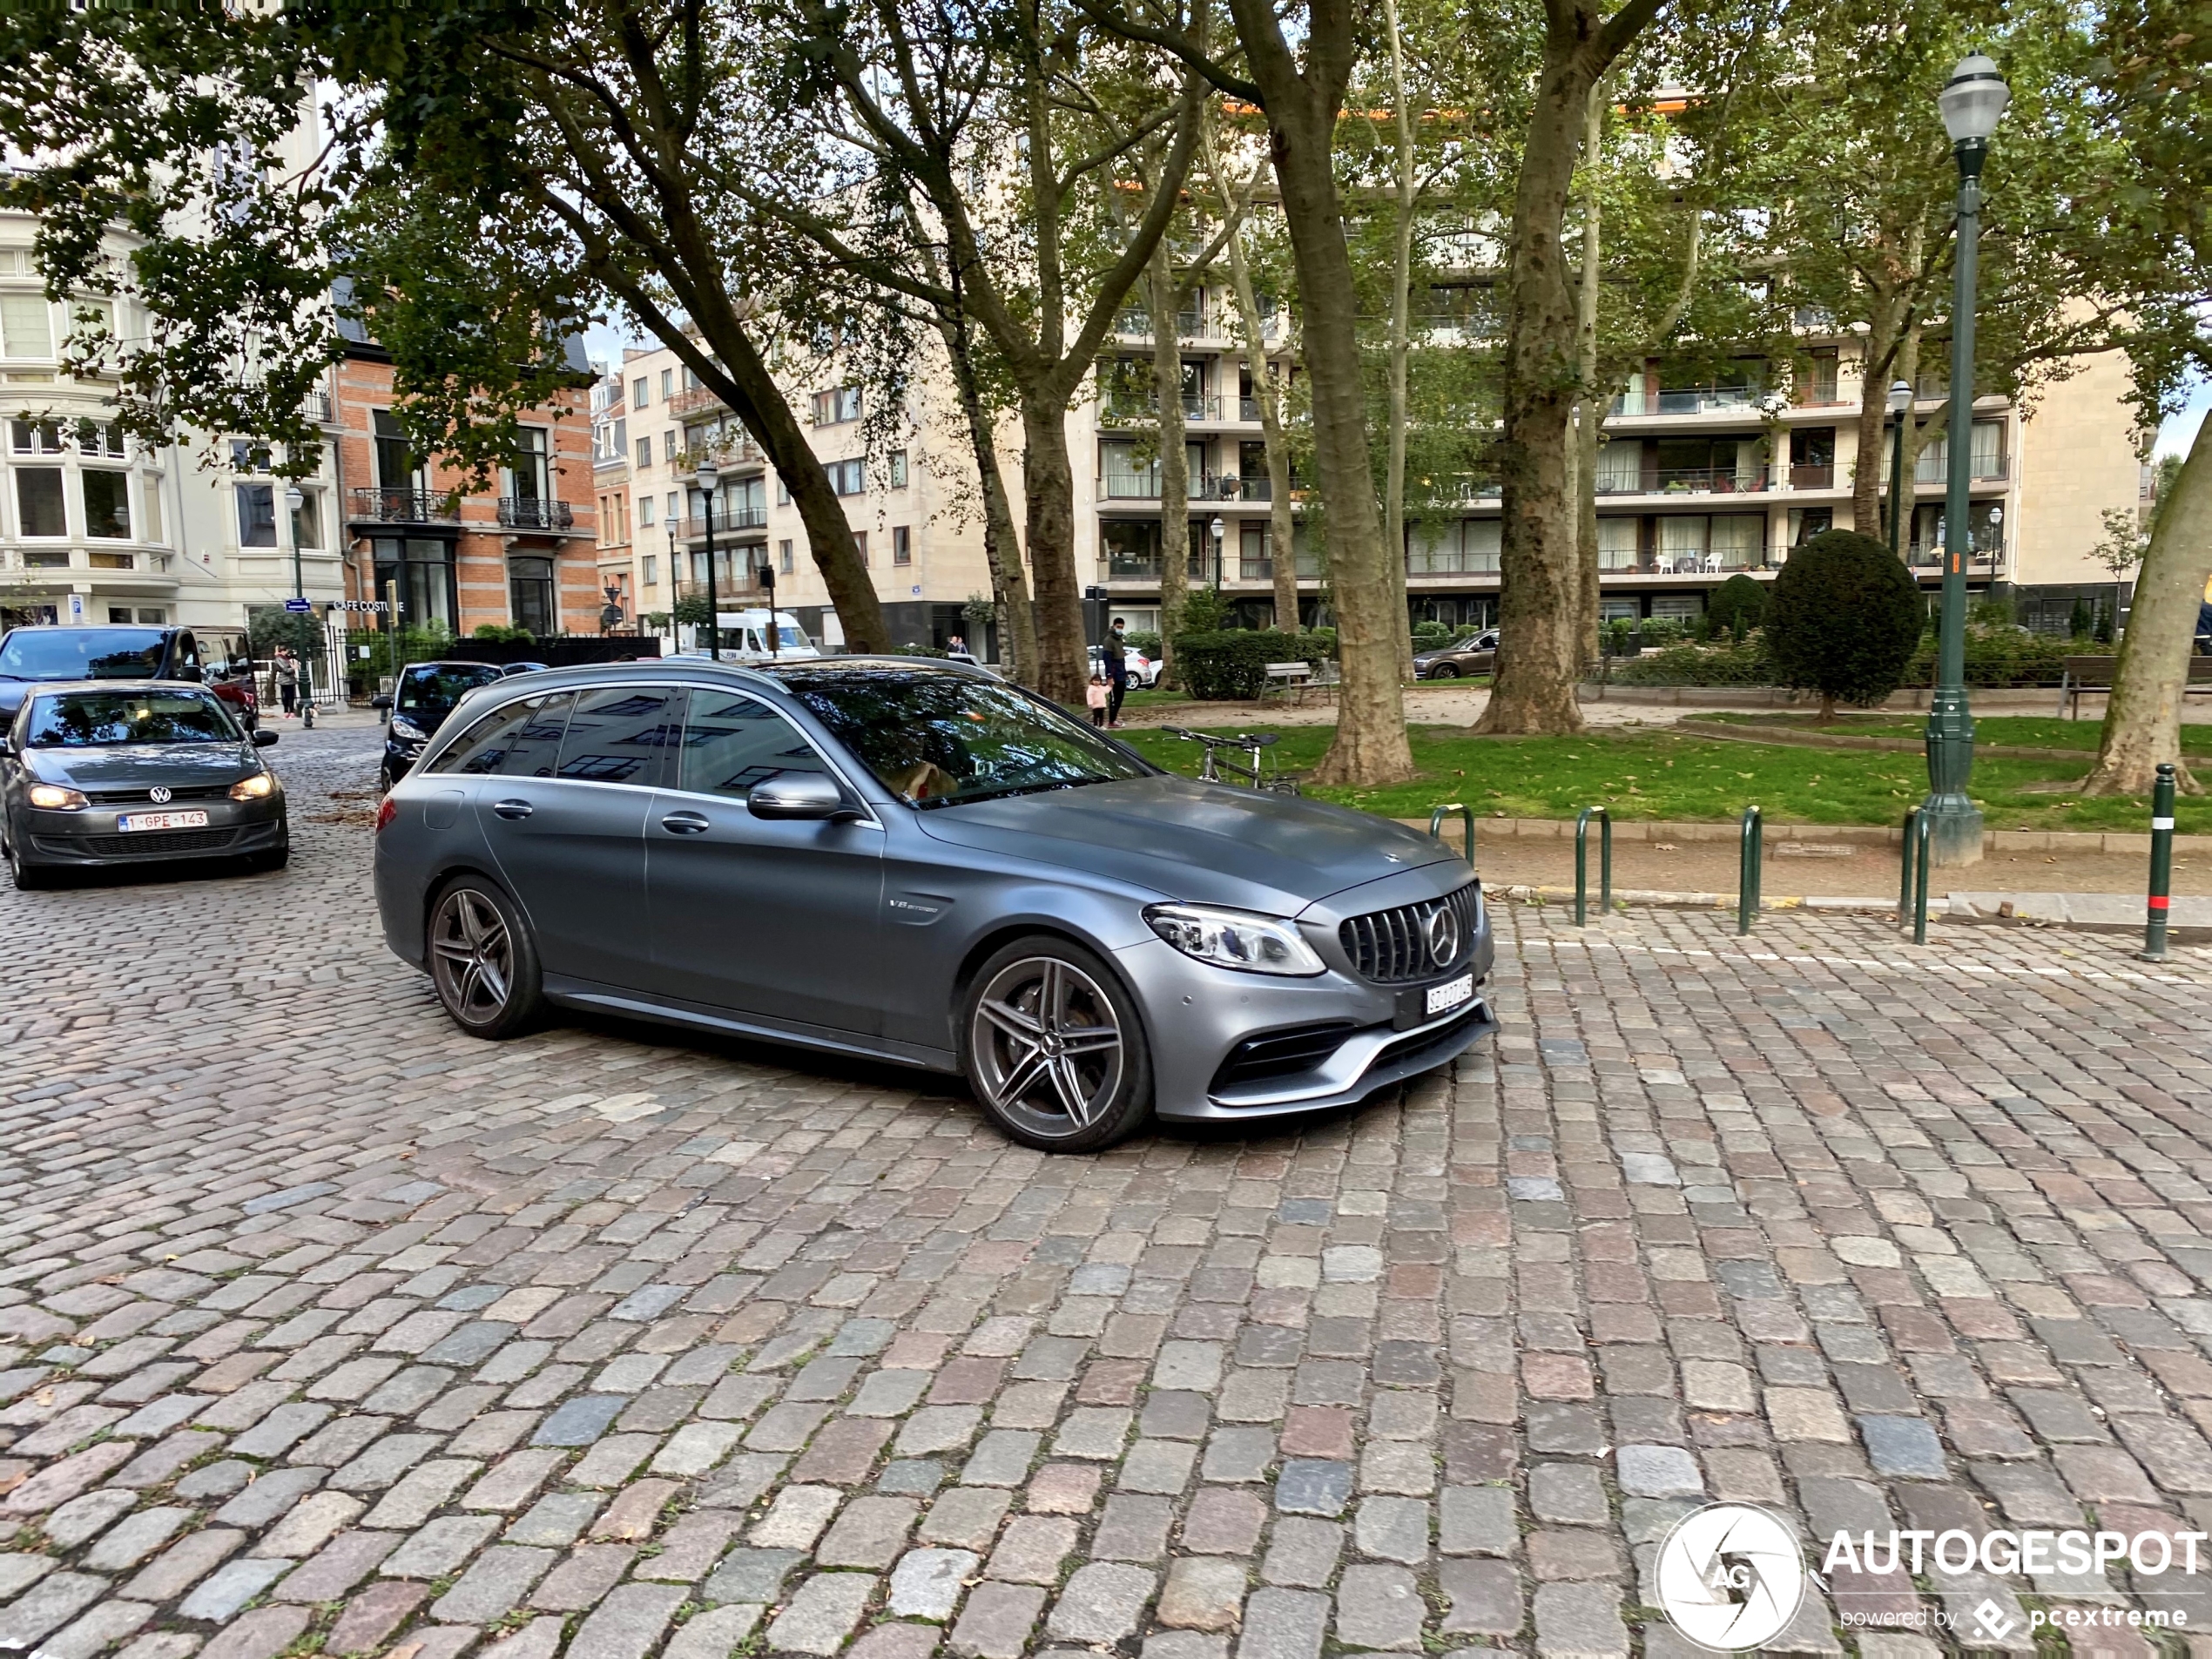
(1997, 655)
(692, 610)
(1205, 611)
(2081, 619)
(1663, 630)
(1843, 618)
(980, 612)
(1144, 640)
(503, 632)
(1737, 606)
(2103, 632)
(274, 625)
(919, 650)
(1231, 664)
(1727, 663)
(1432, 635)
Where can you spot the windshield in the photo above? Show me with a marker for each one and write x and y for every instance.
(82, 654)
(938, 739)
(427, 693)
(106, 719)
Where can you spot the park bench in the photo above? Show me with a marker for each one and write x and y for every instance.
(1288, 677)
(2095, 674)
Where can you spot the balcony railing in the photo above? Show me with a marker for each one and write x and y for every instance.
(1449, 564)
(315, 409)
(730, 452)
(691, 400)
(727, 522)
(1810, 478)
(1710, 564)
(1129, 411)
(534, 513)
(1683, 481)
(1230, 486)
(1986, 470)
(1211, 487)
(1121, 567)
(1687, 400)
(406, 506)
(1928, 556)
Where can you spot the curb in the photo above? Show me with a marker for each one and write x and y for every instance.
(1662, 899)
(2135, 844)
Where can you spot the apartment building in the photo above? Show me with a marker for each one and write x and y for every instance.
(1698, 479)
(95, 529)
(617, 566)
(911, 501)
(453, 557)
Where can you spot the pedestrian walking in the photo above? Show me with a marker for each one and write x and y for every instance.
(286, 669)
(1114, 652)
(1096, 695)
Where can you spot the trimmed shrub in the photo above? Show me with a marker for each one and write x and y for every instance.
(1737, 606)
(1144, 641)
(502, 633)
(1843, 620)
(1230, 665)
(1724, 664)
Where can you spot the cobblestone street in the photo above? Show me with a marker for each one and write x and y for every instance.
(328, 1329)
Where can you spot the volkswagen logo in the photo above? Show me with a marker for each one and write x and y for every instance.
(157, 795)
(1443, 930)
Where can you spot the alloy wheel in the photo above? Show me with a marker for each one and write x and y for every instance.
(473, 956)
(1047, 1047)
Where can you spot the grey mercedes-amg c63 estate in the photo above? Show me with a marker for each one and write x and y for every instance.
(922, 863)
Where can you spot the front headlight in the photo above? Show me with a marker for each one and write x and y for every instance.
(259, 787)
(54, 798)
(407, 731)
(1234, 939)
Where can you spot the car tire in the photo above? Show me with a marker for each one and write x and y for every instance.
(28, 878)
(1089, 1092)
(270, 859)
(383, 780)
(483, 960)
(1444, 672)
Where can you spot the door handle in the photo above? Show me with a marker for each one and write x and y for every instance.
(685, 824)
(512, 808)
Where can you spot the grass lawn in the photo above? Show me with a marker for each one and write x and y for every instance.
(2022, 730)
(1665, 775)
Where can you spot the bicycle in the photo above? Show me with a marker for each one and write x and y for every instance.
(1257, 773)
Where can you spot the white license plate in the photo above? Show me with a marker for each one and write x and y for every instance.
(1450, 994)
(178, 821)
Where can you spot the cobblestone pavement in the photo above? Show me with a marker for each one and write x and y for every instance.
(327, 1329)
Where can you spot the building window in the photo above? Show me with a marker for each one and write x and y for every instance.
(641, 392)
(107, 504)
(39, 502)
(26, 330)
(306, 520)
(249, 456)
(529, 477)
(256, 515)
(98, 438)
(651, 564)
(848, 477)
(419, 572)
(35, 437)
(645, 512)
(667, 384)
(902, 547)
(861, 544)
(783, 558)
(898, 470)
(529, 595)
(395, 466)
(837, 406)
(644, 452)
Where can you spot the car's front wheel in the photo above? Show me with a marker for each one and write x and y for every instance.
(483, 960)
(28, 878)
(1053, 1047)
(1444, 672)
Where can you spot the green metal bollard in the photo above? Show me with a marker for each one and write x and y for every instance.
(1904, 867)
(2162, 864)
(1582, 864)
(1436, 825)
(1923, 827)
(1747, 871)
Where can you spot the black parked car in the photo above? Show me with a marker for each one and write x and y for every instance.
(97, 772)
(426, 694)
(41, 655)
(1475, 656)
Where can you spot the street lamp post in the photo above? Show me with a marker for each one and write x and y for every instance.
(1972, 102)
(1219, 546)
(1900, 403)
(709, 475)
(295, 498)
(675, 577)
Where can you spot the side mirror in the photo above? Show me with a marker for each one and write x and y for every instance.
(264, 738)
(798, 795)
(380, 702)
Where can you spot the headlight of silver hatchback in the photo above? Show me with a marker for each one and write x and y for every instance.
(1235, 939)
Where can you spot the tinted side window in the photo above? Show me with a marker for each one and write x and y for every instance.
(618, 734)
(730, 743)
(535, 746)
(483, 745)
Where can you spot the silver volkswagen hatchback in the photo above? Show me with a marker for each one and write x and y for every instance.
(919, 862)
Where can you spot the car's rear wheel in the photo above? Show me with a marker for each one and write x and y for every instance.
(1053, 1047)
(483, 960)
(1444, 672)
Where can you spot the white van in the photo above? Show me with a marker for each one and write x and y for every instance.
(745, 637)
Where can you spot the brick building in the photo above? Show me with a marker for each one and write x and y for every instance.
(522, 553)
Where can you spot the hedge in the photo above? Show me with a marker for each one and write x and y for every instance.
(1231, 665)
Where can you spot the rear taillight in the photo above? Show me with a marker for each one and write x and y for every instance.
(386, 810)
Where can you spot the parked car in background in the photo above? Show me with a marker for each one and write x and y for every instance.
(507, 671)
(41, 655)
(901, 858)
(1143, 672)
(97, 773)
(1475, 656)
(426, 695)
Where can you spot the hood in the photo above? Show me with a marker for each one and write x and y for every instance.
(140, 766)
(1202, 843)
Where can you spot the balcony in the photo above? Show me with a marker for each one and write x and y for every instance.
(1229, 487)
(1719, 563)
(739, 451)
(1688, 399)
(1135, 322)
(1928, 556)
(534, 513)
(1809, 477)
(379, 506)
(727, 522)
(1986, 470)
(692, 400)
(1119, 410)
(1446, 564)
(1683, 481)
(1123, 567)
(34, 566)
(316, 409)
(1115, 485)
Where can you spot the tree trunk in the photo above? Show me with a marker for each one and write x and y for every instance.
(1591, 419)
(1267, 392)
(1001, 543)
(1401, 301)
(1048, 486)
(1540, 606)
(1370, 746)
(1175, 460)
(2143, 717)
